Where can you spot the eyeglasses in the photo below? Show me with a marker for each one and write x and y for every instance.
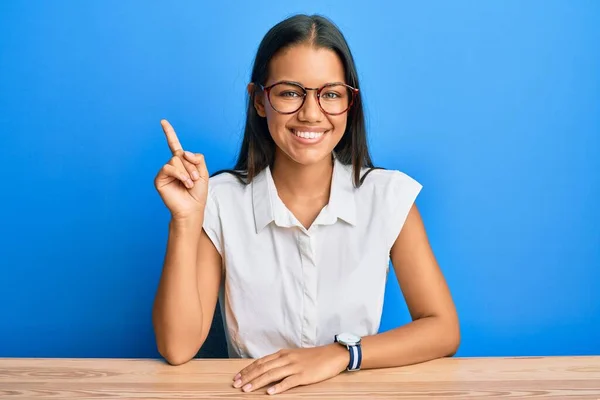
(288, 97)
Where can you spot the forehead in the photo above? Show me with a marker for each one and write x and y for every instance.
(306, 64)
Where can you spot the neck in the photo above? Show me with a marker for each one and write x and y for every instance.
(302, 181)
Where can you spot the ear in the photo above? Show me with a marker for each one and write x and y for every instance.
(258, 97)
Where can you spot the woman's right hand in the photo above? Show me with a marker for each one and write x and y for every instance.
(183, 181)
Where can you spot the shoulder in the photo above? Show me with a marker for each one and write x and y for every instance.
(226, 183)
(389, 180)
(389, 195)
(227, 199)
(389, 191)
(225, 190)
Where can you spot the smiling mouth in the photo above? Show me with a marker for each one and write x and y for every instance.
(308, 135)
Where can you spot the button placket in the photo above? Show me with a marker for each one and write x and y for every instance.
(309, 272)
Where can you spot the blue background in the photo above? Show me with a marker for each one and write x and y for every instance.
(493, 106)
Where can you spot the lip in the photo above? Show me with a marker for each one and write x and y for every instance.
(309, 141)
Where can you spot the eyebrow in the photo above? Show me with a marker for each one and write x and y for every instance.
(298, 83)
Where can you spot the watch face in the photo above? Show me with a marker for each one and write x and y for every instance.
(348, 338)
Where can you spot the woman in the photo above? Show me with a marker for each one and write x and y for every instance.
(297, 239)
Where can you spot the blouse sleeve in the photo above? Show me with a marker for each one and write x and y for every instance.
(401, 197)
(212, 222)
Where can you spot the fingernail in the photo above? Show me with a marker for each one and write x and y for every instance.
(247, 387)
(189, 183)
(195, 175)
(237, 383)
(271, 390)
(189, 154)
(238, 376)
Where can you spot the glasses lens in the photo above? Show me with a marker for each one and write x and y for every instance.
(335, 99)
(286, 97)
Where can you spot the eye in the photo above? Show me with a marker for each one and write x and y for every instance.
(331, 95)
(290, 93)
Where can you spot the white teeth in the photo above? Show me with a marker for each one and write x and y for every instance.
(308, 135)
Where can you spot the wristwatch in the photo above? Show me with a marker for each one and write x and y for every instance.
(352, 343)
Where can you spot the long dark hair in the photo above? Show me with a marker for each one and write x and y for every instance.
(258, 148)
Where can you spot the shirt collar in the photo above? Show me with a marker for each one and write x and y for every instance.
(268, 207)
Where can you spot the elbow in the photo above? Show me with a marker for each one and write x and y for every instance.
(451, 338)
(176, 350)
(175, 360)
(175, 356)
(452, 348)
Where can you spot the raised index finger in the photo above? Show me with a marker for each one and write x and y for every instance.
(172, 139)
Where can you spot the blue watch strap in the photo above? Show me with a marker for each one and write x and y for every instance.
(355, 357)
(352, 358)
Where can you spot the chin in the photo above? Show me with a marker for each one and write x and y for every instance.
(307, 157)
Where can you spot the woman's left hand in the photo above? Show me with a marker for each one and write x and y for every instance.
(293, 368)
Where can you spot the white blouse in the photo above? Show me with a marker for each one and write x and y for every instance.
(286, 286)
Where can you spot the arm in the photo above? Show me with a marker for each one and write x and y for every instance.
(434, 331)
(187, 293)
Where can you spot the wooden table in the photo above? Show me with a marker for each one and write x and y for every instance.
(452, 378)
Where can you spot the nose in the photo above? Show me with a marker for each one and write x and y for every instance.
(310, 110)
